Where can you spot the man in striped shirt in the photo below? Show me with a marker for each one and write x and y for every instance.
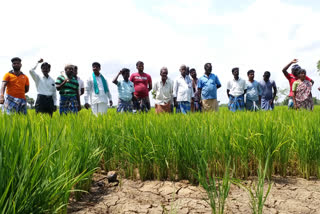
(68, 88)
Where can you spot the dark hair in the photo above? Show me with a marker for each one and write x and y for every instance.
(296, 67)
(234, 69)
(14, 59)
(45, 64)
(250, 71)
(267, 73)
(96, 64)
(139, 63)
(123, 70)
(192, 70)
(205, 65)
(302, 71)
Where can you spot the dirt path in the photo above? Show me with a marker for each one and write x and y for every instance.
(290, 195)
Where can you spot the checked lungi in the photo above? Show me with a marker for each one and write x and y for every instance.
(15, 105)
(68, 104)
(124, 106)
(236, 103)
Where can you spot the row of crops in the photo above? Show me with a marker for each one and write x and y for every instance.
(43, 161)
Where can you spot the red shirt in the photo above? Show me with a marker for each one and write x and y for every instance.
(141, 82)
(291, 78)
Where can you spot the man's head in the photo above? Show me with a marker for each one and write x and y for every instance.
(164, 73)
(250, 74)
(183, 70)
(208, 68)
(75, 71)
(45, 68)
(125, 73)
(295, 69)
(140, 66)
(96, 67)
(266, 76)
(69, 70)
(235, 72)
(16, 63)
(193, 73)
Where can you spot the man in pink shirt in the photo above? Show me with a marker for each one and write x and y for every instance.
(292, 78)
(142, 85)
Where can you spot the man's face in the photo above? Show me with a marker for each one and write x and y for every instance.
(235, 72)
(16, 65)
(251, 76)
(126, 75)
(164, 74)
(266, 77)
(69, 71)
(208, 68)
(183, 70)
(193, 74)
(96, 68)
(45, 70)
(140, 67)
(294, 72)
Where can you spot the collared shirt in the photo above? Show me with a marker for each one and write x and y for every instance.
(163, 92)
(81, 84)
(209, 86)
(102, 97)
(182, 89)
(237, 87)
(291, 78)
(16, 84)
(253, 90)
(45, 86)
(125, 90)
(266, 88)
(69, 89)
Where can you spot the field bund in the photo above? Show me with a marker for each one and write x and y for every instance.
(44, 160)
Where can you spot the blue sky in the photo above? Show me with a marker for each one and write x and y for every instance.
(250, 34)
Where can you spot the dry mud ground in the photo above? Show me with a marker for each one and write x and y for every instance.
(287, 195)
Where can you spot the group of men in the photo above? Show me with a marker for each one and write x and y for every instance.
(186, 93)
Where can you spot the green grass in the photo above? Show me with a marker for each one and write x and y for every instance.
(42, 160)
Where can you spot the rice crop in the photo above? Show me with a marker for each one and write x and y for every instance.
(43, 160)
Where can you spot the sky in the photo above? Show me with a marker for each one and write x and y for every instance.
(263, 35)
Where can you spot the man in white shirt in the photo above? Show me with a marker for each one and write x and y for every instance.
(97, 91)
(183, 94)
(163, 90)
(81, 83)
(236, 90)
(47, 96)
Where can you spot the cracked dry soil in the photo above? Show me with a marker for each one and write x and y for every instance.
(287, 195)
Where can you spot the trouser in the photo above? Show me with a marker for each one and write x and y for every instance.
(99, 108)
(44, 104)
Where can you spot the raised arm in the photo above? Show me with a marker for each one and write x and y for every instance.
(115, 80)
(284, 70)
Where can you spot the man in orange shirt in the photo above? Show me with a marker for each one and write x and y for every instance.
(17, 85)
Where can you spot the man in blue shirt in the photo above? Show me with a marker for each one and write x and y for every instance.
(253, 95)
(207, 86)
(267, 97)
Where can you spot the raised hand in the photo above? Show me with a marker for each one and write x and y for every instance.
(40, 60)
(294, 61)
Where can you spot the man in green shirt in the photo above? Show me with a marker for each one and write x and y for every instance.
(68, 88)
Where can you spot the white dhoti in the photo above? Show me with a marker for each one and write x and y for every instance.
(99, 108)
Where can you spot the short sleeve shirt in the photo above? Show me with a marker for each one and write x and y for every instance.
(237, 87)
(69, 89)
(16, 84)
(141, 83)
(208, 86)
(125, 90)
(253, 90)
(266, 89)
